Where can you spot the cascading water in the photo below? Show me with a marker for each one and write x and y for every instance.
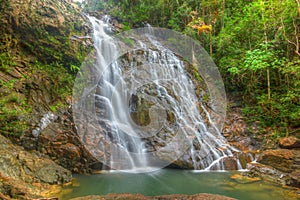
(146, 109)
(114, 112)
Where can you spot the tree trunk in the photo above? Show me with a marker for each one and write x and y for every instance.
(266, 42)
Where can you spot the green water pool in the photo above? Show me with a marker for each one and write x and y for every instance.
(168, 181)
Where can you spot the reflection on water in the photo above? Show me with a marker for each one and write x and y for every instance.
(174, 182)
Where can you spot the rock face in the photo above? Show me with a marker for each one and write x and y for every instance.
(235, 130)
(39, 46)
(44, 32)
(42, 28)
(38, 50)
(21, 170)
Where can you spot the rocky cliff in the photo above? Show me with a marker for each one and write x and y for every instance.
(41, 50)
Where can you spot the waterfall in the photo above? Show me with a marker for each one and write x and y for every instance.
(139, 110)
(115, 111)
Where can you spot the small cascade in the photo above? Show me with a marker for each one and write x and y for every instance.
(47, 119)
(147, 112)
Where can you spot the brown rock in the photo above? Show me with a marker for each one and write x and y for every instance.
(230, 163)
(289, 142)
(70, 151)
(242, 143)
(59, 141)
(281, 159)
(244, 158)
(267, 173)
(35, 34)
(295, 178)
(20, 171)
(244, 179)
(280, 166)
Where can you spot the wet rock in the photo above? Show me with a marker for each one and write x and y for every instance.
(245, 158)
(267, 173)
(184, 162)
(230, 163)
(235, 130)
(244, 179)
(234, 124)
(282, 167)
(49, 24)
(53, 174)
(295, 178)
(243, 143)
(289, 142)
(280, 159)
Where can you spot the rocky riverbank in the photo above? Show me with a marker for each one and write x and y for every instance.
(274, 160)
(278, 165)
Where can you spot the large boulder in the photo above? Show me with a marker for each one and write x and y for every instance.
(271, 174)
(280, 159)
(60, 141)
(290, 142)
(280, 166)
(22, 171)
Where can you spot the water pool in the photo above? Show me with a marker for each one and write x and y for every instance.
(168, 181)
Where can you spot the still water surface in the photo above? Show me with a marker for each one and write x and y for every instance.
(168, 181)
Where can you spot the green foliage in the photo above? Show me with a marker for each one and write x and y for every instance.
(244, 53)
(14, 108)
(283, 108)
(7, 61)
(181, 17)
(128, 41)
(126, 26)
(95, 6)
(62, 80)
(56, 106)
(197, 76)
(13, 112)
(74, 68)
(8, 85)
(252, 42)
